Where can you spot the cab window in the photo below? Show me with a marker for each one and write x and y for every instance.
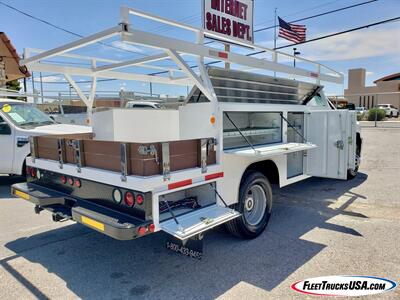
(4, 127)
(25, 115)
(317, 100)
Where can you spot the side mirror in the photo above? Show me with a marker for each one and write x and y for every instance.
(5, 128)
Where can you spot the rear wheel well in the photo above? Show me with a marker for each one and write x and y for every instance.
(358, 142)
(267, 167)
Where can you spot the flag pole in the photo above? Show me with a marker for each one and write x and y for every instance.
(275, 31)
(275, 37)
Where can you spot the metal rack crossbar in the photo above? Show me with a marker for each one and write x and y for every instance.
(168, 48)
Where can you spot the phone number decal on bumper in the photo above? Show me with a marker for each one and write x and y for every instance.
(184, 250)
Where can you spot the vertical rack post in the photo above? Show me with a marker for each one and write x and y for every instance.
(124, 152)
(32, 145)
(166, 161)
(61, 152)
(78, 149)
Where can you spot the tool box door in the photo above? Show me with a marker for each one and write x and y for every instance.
(198, 221)
(330, 130)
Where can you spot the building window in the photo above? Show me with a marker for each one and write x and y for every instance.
(363, 101)
(359, 103)
(368, 103)
(373, 100)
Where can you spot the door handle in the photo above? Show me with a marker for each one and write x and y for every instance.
(22, 140)
(339, 144)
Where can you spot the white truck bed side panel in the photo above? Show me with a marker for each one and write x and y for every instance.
(102, 125)
(195, 121)
(137, 125)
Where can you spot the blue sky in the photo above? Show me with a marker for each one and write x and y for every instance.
(375, 49)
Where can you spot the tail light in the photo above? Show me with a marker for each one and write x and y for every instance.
(77, 183)
(117, 196)
(70, 181)
(142, 230)
(151, 227)
(139, 199)
(63, 179)
(129, 199)
(33, 172)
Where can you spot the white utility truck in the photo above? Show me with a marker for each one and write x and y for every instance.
(210, 162)
(18, 122)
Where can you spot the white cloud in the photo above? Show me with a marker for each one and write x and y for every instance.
(125, 46)
(365, 43)
(52, 78)
(369, 73)
(356, 45)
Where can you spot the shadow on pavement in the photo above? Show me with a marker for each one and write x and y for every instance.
(5, 183)
(95, 266)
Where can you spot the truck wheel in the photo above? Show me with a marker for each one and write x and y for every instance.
(352, 173)
(255, 204)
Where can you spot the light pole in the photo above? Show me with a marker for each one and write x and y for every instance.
(295, 52)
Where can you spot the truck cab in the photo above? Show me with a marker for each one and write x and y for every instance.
(18, 122)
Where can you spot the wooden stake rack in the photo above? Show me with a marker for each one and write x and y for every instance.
(140, 159)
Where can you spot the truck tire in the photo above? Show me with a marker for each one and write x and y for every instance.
(352, 173)
(255, 204)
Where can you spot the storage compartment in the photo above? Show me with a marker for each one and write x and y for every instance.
(186, 201)
(259, 128)
(142, 159)
(295, 159)
(48, 146)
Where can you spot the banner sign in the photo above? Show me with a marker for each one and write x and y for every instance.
(232, 18)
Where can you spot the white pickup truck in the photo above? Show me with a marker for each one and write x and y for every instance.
(209, 162)
(19, 121)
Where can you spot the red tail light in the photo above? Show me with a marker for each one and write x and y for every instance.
(142, 230)
(77, 183)
(139, 199)
(33, 172)
(63, 179)
(70, 181)
(129, 199)
(151, 227)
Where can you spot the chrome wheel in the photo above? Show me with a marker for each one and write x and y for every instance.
(358, 160)
(255, 205)
(353, 172)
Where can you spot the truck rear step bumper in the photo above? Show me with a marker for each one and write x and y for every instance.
(115, 224)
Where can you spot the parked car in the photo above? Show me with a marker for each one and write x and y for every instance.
(361, 110)
(143, 104)
(18, 122)
(390, 110)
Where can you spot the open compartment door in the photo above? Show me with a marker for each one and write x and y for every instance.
(332, 132)
(271, 150)
(198, 221)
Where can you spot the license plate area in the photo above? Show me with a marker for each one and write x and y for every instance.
(192, 248)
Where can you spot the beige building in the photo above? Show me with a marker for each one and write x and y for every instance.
(385, 91)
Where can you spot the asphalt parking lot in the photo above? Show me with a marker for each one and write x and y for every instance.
(318, 227)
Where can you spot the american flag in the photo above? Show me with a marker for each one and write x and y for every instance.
(292, 32)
